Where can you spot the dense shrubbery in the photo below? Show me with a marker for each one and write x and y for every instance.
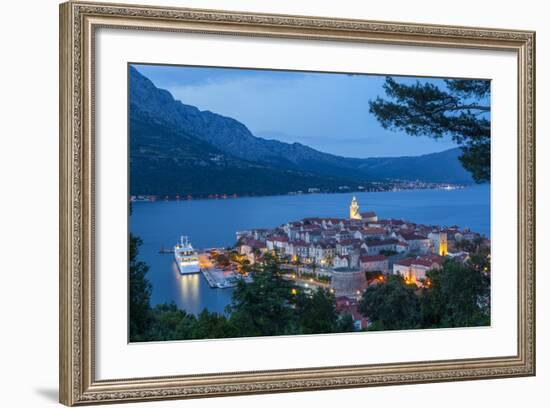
(457, 296)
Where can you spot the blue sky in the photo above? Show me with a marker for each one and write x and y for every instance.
(328, 112)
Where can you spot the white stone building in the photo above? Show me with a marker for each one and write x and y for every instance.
(417, 242)
(413, 270)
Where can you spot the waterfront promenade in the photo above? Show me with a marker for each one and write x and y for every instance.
(216, 277)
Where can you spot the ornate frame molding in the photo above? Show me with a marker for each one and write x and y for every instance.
(78, 20)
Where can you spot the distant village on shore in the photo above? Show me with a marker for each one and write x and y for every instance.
(374, 186)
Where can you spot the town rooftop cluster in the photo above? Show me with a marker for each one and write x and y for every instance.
(342, 250)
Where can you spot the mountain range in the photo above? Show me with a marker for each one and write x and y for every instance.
(177, 149)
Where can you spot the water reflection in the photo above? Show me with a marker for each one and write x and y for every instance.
(188, 286)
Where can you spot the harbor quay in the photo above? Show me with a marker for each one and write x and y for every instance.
(219, 275)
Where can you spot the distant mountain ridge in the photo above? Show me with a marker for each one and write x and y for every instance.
(441, 167)
(204, 131)
(167, 161)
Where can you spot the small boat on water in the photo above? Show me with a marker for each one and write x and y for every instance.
(186, 257)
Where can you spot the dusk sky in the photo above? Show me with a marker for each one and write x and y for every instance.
(329, 112)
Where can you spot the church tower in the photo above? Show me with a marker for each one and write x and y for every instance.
(354, 210)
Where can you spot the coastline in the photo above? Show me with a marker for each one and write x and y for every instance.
(147, 198)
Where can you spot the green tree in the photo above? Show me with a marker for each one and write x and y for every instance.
(459, 109)
(170, 323)
(458, 296)
(317, 312)
(212, 326)
(392, 305)
(140, 293)
(265, 306)
(346, 324)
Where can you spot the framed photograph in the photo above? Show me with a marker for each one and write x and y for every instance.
(256, 203)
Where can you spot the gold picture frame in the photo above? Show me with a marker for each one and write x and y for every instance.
(78, 22)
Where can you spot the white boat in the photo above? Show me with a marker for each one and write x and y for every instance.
(186, 257)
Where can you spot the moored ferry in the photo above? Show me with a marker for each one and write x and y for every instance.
(186, 257)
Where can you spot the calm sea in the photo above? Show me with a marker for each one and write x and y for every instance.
(213, 223)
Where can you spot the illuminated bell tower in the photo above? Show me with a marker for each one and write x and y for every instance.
(354, 210)
(443, 244)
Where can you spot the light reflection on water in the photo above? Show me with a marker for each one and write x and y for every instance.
(190, 292)
(213, 223)
(189, 286)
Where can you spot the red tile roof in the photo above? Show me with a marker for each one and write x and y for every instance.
(382, 242)
(309, 227)
(254, 243)
(342, 301)
(372, 258)
(391, 222)
(278, 239)
(412, 236)
(373, 230)
(426, 261)
(405, 262)
(313, 219)
(434, 258)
